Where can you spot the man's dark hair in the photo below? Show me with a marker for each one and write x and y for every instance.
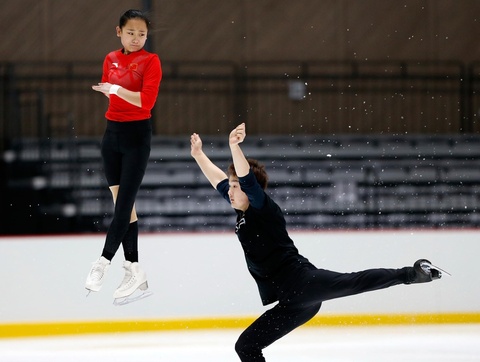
(258, 170)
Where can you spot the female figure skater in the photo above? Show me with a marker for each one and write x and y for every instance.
(131, 80)
(281, 273)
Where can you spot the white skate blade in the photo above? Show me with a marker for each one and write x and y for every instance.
(137, 295)
(436, 267)
(90, 291)
(442, 270)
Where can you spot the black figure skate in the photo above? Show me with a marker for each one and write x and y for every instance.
(426, 272)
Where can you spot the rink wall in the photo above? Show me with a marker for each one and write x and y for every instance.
(200, 280)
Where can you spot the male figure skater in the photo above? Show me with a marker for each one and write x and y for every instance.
(281, 273)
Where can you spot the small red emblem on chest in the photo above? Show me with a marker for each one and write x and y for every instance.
(133, 66)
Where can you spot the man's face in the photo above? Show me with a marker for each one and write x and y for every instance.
(238, 198)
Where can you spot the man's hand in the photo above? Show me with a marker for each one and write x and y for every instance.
(211, 172)
(195, 145)
(237, 135)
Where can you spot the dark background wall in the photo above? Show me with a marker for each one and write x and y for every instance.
(374, 68)
(247, 30)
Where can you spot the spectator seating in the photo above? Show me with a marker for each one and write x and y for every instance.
(321, 182)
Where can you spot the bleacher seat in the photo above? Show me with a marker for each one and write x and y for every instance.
(319, 181)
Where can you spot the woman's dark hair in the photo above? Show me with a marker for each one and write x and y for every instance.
(258, 170)
(133, 14)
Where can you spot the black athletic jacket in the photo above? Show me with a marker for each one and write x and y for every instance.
(272, 258)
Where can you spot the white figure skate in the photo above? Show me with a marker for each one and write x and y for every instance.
(134, 285)
(96, 276)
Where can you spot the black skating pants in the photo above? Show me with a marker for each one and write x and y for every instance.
(125, 153)
(303, 301)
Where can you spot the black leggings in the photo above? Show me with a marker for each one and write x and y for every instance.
(125, 153)
(304, 300)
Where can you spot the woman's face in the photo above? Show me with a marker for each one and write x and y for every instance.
(133, 35)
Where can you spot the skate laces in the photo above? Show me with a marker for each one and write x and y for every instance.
(426, 267)
(98, 270)
(129, 277)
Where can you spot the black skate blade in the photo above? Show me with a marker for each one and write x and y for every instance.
(132, 298)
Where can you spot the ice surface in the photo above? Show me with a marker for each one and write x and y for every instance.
(449, 343)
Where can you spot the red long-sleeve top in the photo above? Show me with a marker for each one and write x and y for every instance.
(138, 72)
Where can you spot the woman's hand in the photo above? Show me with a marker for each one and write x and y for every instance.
(237, 135)
(103, 88)
(195, 145)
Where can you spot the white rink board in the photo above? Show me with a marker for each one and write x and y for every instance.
(203, 275)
